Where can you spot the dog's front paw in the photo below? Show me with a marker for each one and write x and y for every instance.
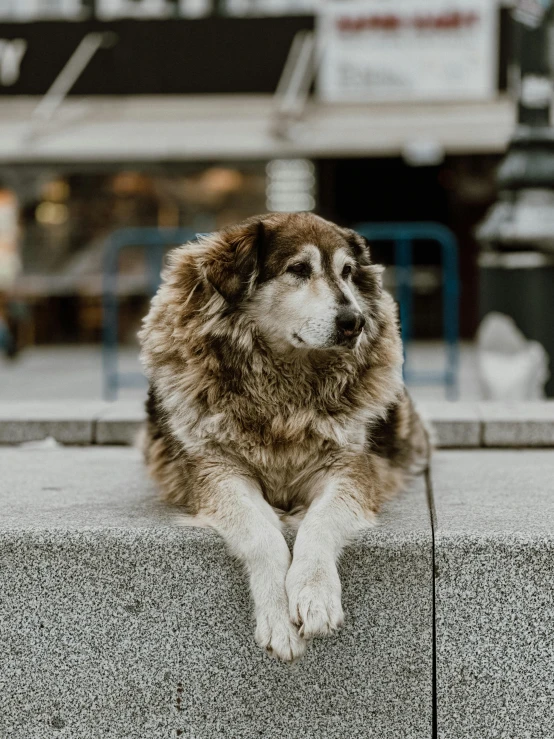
(314, 593)
(279, 637)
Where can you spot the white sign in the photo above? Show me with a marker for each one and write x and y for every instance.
(402, 50)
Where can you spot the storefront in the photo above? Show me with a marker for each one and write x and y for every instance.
(173, 120)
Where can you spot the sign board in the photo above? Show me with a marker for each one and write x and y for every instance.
(402, 50)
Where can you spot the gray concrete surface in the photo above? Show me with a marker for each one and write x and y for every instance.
(64, 373)
(68, 423)
(116, 623)
(456, 425)
(518, 424)
(494, 580)
(120, 423)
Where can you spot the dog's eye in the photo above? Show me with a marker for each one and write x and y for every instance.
(347, 270)
(302, 269)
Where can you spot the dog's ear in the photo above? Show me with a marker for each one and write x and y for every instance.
(360, 246)
(368, 277)
(233, 263)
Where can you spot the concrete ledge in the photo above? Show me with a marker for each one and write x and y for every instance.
(456, 425)
(120, 423)
(67, 423)
(116, 622)
(494, 584)
(518, 424)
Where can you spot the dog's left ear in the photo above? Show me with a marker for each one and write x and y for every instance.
(232, 265)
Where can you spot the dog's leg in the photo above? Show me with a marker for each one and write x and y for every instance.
(252, 531)
(313, 584)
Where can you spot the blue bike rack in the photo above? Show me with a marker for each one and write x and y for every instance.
(403, 235)
(155, 242)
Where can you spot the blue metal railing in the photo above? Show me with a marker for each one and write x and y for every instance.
(156, 242)
(403, 235)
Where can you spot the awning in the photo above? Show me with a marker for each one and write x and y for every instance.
(134, 130)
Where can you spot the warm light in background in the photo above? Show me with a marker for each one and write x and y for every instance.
(52, 214)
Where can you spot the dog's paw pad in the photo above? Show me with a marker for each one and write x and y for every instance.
(280, 638)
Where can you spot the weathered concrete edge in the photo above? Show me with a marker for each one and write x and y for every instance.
(491, 425)
(67, 423)
(464, 425)
(120, 423)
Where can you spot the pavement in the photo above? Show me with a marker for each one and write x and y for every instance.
(121, 618)
(62, 373)
(75, 373)
(97, 422)
(118, 621)
(494, 593)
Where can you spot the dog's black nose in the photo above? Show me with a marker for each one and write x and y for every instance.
(350, 323)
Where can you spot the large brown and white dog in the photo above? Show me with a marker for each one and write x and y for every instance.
(274, 363)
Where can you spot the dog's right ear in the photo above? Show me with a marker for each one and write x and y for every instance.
(360, 246)
(233, 262)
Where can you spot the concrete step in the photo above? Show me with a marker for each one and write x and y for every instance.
(494, 580)
(116, 622)
(456, 425)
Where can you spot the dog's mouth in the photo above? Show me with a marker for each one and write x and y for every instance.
(348, 342)
(338, 342)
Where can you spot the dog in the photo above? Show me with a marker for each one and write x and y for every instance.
(276, 393)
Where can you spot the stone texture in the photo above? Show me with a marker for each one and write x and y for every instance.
(455, 425)
(68, 423)
(494, 549)
(120, 423)
(116, 622)
(529, 424)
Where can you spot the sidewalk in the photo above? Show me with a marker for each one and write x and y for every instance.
(75, 373)
(455, 425)
(119, 622)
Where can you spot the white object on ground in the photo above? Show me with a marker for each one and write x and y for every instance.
(510, 366)
(48, 443)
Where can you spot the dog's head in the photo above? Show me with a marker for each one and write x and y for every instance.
(304, 281)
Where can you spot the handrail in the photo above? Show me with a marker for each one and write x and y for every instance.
(403, 235)
(155, 241)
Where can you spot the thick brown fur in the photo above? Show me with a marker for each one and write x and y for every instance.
(225, 400)
(285, 417)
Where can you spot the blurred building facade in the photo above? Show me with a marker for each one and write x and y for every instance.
(196, 113)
